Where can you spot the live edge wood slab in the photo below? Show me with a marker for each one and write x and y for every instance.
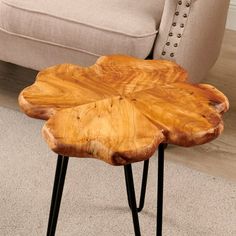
(120, 109)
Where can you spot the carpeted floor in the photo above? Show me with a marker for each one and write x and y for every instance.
(94, 200)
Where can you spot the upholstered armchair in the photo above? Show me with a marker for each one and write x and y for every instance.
(38, 34)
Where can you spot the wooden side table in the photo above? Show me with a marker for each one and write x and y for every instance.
(121, 110)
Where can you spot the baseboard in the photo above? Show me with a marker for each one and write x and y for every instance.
(231, 19)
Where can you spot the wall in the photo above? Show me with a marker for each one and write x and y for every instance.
(231, 20)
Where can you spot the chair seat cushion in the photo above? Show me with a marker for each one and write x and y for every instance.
(97, 27)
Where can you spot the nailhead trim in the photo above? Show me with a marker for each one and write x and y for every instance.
(176, 32)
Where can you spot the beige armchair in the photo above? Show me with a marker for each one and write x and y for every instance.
(38, 34)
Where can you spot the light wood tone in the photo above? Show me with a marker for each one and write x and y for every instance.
(120, 109)
(112, 130)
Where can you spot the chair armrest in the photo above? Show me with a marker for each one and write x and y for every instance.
(191, 33)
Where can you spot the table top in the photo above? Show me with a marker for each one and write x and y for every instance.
(120, 109)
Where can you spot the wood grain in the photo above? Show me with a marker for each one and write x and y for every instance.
(120, 109)
(111, 129)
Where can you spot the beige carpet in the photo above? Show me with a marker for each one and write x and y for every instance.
(94, 200)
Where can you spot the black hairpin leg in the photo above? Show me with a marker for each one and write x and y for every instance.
(132, 198)
(62, 162)
(160, 186)
(143, 186)
(131, 192)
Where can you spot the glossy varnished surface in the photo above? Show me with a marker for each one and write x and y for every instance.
(120, 109)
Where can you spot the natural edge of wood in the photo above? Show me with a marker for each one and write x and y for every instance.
(152, 97)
